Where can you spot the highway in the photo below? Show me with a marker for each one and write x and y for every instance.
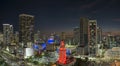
(12, 60)
(9, 59)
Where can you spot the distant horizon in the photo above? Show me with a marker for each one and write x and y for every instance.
(70, 30)
(71, 33)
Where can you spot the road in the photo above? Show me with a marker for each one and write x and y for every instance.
(12, 60)
(9, 59)
(99, 64)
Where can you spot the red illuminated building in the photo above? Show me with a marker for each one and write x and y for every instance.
(63, 59)
(62, 53)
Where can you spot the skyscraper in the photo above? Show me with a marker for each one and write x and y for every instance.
(26, 28)
(83, 35)
(83, 31)
(7, 34)
(99, 35)
(92, 37)
(99, 41)
(76, 35)
(11, 34)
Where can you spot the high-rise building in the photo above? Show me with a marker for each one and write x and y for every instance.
(76, 35)
(7, 34)
(26, 29)
(92, 37)
(11, 33)
(99, 46)
(84, 31)
(99, 35)
(83, 35)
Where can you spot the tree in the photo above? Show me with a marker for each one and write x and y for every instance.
(3, 63)
(35, 62)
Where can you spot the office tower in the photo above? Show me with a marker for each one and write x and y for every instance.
(92, 36)
(76, 35)
(7, 34)
(99, 46)
(11, 33)
(83, 36)
(26, 29)
(99, 35)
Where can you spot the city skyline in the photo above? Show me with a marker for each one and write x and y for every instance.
(63, 15)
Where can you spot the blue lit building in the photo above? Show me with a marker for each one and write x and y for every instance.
(51, 44)
(39, 46)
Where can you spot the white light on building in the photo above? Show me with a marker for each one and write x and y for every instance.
(28, 52)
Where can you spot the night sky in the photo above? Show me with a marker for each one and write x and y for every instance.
(62, 15)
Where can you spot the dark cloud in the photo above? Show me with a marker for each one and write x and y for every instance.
(89, 5)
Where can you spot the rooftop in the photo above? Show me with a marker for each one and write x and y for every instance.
(26, 15)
